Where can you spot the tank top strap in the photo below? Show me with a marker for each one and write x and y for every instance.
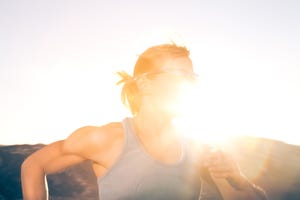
(129, 135)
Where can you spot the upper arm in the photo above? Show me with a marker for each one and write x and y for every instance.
(86, 143)
(52, 158)
(60, 154)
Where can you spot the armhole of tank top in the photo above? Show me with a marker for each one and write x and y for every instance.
(206, 179)
(125, 133)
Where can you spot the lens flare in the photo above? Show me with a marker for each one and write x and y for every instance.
(188, 120)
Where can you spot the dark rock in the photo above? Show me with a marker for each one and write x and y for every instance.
(77, 182)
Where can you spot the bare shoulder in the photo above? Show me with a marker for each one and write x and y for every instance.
(88, 140)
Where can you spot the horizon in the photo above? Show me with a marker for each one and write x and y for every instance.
(240, 137)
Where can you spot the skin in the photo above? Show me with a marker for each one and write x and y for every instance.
(103, 144)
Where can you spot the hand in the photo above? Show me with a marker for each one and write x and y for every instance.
(221, 165)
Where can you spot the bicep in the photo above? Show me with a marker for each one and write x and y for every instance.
(52, 158)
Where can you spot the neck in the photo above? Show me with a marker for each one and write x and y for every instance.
(153, 126)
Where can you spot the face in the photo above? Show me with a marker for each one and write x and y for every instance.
(162, 89)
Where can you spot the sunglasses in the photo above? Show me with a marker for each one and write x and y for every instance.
(172, 74)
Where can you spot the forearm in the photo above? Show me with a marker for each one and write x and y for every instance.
(34, 183)
(249, 190)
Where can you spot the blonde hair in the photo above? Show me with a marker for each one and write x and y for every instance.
(150, 60)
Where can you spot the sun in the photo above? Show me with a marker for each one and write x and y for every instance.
(189, 118)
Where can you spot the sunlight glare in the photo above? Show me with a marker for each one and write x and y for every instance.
(188, 122)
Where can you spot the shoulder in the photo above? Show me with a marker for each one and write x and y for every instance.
(89, 139)
(94, 133)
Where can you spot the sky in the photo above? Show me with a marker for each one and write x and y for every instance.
(58, 61)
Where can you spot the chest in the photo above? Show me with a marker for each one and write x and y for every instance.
(164, 153)
(137, 176)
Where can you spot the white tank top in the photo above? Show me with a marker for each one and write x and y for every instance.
(137, 176)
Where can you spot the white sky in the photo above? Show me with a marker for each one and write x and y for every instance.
(57, 60)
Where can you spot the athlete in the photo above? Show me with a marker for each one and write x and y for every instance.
(143, 156)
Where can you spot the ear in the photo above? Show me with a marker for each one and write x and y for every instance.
(143, 84)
